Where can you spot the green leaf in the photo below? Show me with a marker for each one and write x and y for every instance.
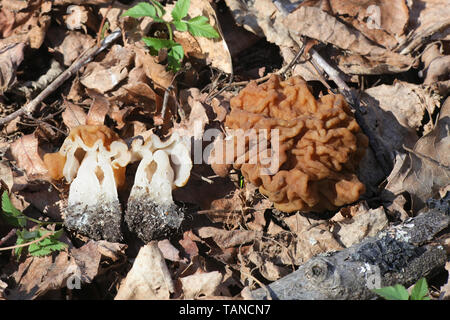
(397, 292)
(20, 240)
(181, 9)
(420, 290)
(180, 25)
(199, 27)
(159, 8)
(158, 44)
(142, 9)
(47, 245)
(11, 214)
(174, 57)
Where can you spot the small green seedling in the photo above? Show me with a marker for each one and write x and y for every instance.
(40, 241)
(399, 292)
(198, 26)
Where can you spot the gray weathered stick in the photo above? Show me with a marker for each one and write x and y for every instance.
(77, 65)
(398, 255)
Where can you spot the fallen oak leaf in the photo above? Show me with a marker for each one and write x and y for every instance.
(25, 151)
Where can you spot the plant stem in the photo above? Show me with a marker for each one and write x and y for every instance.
(170, 30)
(28, 243)
(39, 221)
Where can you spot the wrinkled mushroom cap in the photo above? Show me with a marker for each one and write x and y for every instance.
(320, 145)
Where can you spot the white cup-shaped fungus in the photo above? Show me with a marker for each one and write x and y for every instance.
(151, 211)
(93, 160)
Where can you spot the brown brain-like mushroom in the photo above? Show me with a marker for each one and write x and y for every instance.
(320, 145)
(93, 160)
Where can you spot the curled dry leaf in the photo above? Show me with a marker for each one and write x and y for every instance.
(149, 278)
(426, 168)
(428, 22)
(79, 17)
(317, 24)
(154, 71)
(395, 113)
(10, 58)
(201, 284)
(72, 44)
(169, 251)
(262, 18)
(105, 75)
(25, 151)
(31, 22)
(194, 125)
(364, 222)
(6, 174)
(381, 21)
(37, 275)
(228, 238)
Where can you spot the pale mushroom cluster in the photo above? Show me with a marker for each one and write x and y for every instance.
(151, 212)
(93, 159)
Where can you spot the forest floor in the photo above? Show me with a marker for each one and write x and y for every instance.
(156, 70)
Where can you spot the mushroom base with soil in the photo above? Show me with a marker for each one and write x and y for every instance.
(151, 220)
(102, 221)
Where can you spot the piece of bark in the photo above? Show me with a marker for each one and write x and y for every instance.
(397, 255)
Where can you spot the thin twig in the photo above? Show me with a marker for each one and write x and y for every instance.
(202, 177)
(103, 22)
(165, 101)
(28, 243)
(78, 64)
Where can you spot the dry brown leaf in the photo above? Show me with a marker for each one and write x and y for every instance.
(395, 113)
(263, 19)
(215, 50)
(201, 284)
(169, 251)
(10, 59)
(98, 109)
(37, 275)
(94, 2)
(25, 151)
(7, 20)
(6, 174)
(429, 21)
(111, 250)
(73, 115)
(381, 21)
(425, 170)
(228, 238)
(438, 70)
(317, 24)
(70, 44)
(149, 278)
(194, 125)
(79, 17)
(105, 75)
(364, 222)
(188, 244)
(154, 71)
